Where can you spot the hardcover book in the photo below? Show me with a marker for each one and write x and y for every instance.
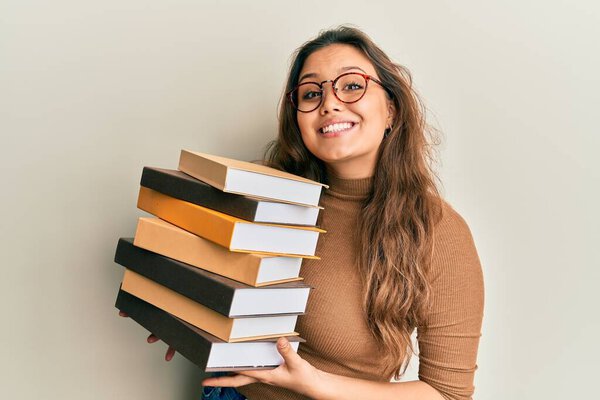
(233, 233)
(166, 239)
(224, 295)
(250, 179)
(208, 352)
(184, 187)
(227, 329)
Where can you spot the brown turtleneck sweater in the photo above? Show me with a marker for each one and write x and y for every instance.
(337, 337)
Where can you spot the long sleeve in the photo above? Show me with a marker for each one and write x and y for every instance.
(448, 345)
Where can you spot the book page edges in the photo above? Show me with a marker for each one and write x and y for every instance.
(253, 338)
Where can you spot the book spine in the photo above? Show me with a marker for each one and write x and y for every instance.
(169, 329)
(191, 282)
(181, 186)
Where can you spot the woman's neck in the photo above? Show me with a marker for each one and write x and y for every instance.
(350, 170)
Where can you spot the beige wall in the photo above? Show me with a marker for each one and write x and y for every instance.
(90, 92)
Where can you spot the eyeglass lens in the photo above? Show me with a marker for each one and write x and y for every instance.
(348, 89)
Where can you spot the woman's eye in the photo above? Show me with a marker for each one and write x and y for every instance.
(311, 95)
(353, 86)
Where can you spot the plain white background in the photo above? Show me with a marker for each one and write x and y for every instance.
(90, 92)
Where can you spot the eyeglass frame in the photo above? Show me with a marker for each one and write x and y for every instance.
(366, 77)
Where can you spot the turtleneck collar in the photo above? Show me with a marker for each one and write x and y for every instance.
(349, 187)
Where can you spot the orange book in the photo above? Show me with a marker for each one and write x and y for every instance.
(233, 233)
(168, 240)
(227, 329)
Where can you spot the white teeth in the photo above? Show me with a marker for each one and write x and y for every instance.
(337, 127)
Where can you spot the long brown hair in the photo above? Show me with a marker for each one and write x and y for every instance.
(395, 232)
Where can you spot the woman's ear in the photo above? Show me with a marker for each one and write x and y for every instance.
(391, 113)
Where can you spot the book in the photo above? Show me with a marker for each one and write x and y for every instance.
(227, 329)
(166, 239)
(233, 233)
(224, 295)
(203, 349)
(184, 187)
(234, 176)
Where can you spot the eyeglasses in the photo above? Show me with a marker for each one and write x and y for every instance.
(347, 88)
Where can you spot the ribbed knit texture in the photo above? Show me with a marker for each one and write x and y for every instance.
(334, 326)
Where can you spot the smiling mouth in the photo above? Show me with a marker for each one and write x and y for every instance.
(335, 128)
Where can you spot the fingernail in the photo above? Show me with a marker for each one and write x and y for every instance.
(282, 342)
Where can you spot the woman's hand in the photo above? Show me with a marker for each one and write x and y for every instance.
(153, 339)
(295, 374)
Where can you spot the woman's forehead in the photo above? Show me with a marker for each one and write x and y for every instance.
(330, 61)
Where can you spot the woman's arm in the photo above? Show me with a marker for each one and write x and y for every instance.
(449, 343)
(341, 387)
(299, 376)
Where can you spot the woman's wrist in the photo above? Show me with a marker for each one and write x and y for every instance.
(317, 388)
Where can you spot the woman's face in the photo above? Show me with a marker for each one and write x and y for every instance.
(350, 150)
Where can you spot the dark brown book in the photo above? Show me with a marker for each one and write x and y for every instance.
(206, 351)
(224, 295)
(184, 187)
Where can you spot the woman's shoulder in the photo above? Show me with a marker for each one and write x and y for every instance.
(451, 223)
(453, 247)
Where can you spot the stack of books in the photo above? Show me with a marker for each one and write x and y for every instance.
(216, 274)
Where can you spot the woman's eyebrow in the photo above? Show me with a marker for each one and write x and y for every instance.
(312, 74)
(351, 67)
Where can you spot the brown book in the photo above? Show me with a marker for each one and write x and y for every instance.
(234, 176)
(226, 329)
(231, 232)
(256, 270)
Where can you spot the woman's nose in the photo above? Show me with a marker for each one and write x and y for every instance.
(330, 102)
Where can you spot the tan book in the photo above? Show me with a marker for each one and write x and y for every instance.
(250, 179)
(227, 329)
(256, 270)
(231, 232)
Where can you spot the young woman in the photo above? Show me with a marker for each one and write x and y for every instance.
(395, 257)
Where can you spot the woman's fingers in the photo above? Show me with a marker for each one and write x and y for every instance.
(152, 338)
(232, 381)
(169, 354)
